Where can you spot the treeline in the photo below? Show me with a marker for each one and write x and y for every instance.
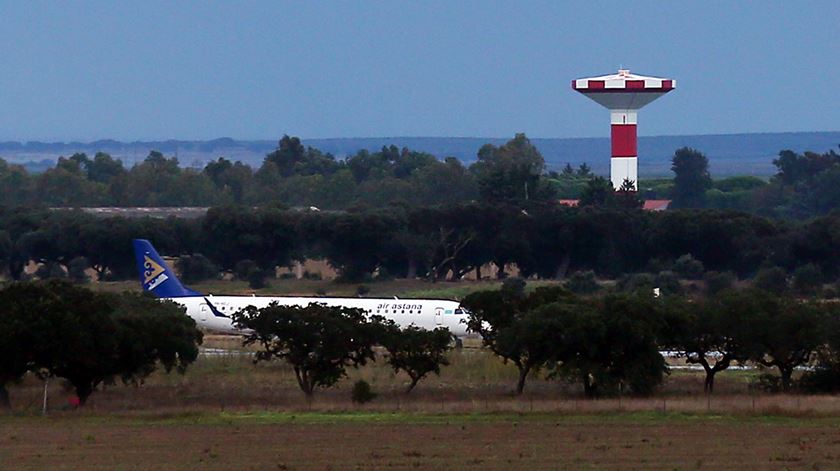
(298, 176)
(292, 175)
(805, 185)
(612, 344)
(447, 242)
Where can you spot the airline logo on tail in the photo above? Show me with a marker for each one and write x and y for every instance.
(155, 276)
(153, 273)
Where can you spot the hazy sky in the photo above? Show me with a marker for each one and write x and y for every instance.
(200, 70)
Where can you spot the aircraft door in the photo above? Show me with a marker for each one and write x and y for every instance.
(202, 311)
(438, 315)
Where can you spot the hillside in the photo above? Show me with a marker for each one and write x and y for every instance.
(729, 154)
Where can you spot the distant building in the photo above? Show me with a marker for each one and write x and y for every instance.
(649, 205)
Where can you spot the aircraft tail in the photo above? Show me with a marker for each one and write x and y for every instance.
(155, 274)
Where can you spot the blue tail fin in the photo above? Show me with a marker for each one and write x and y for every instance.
(155, 275)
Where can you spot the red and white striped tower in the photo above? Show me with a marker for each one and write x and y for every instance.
(623, 94)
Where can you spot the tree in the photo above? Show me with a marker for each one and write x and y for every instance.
(700, 330)
(807, 279)
(21, 331)
(319, 341)
(788, 334)
(416, 351)
(105, 336)
(611, 343)
(511, 172)
(517, 329)
(771, 279)
(92, 338)
(195, 268)
(691, 177)
(598, 192)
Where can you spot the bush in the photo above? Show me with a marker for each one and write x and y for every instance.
(362, 290)
(637, 282)
(514, 286)
(256, 278)
(772, 279)
(307, 275)
(362, 392)
(243, 268)
(196, 267)
(688, 267)
(823, 379)
(668, 282)
(719, 281)
(76, 270)
(50, 270)
(807, 279)
(582, 282)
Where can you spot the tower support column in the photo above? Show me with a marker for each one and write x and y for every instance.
(624, 158)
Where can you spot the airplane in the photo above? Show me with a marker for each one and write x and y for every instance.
(214, 312)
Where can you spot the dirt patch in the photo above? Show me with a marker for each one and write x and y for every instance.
(503, 444)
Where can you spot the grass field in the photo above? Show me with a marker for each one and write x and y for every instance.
(227, 413)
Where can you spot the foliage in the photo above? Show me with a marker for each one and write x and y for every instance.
(511, 329)
(807, 279)
(582, 282)
(362, 392)
(691, 177)
(688, 267)
(197, 267)
(771, 279)
(92, 338)
(318, 341)
(718, 281)
(416, 351)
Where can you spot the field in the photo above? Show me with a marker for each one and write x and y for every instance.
(398, 441)
(228, 413)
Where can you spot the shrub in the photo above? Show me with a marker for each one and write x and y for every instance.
(688, 267)
(50, 270)
(807, 279)
(76, 270)
(307, 275)
(362, 290)
(362, 392)
(637, 282)
(514, 286)
(719, 281)
(582, 282)
(668, 282)
(256, 278)
(243, 268)
(196, 267)
(772, 279)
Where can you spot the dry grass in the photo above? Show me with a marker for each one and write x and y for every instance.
(475, 382)
(227, 413)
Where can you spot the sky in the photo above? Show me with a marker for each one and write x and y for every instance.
(87, 70)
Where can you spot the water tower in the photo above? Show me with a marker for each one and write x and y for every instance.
(623, 94)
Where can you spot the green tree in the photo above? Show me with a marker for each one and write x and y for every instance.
(519, 330)
(196, 267)
(320, 342)
(598, 192)
(610, 344)
(712, 333)
(691, 177)
(788, 334)
(511, 172)
(416, 351)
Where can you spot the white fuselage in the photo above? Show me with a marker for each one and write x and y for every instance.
(425, 313)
